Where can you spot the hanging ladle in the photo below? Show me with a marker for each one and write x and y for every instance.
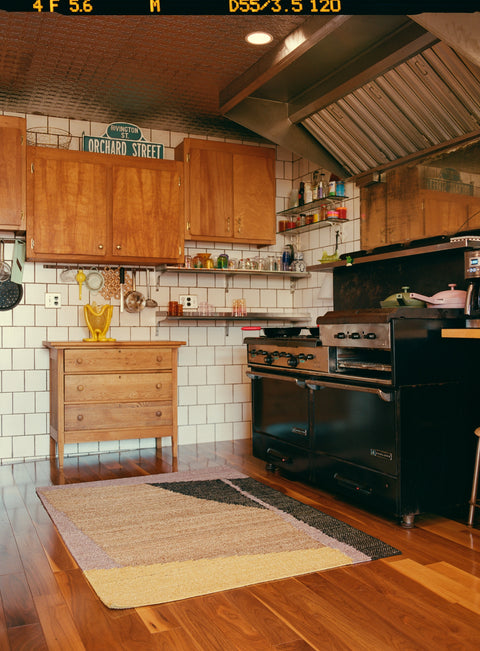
(149, 302)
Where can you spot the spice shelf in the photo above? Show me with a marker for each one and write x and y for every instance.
(310, 207)
(312, 227)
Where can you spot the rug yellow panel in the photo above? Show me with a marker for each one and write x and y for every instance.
(132, 587)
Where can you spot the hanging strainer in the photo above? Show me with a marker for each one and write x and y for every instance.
(5, 269)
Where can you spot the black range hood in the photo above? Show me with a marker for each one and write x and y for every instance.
(360, 94)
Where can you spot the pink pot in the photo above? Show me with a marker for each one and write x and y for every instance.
(450, 298)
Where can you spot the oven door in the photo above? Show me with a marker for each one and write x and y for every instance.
(355, 443)
(280, 421)
(356, 423)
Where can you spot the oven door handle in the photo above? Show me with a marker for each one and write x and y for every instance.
(284, 378)
(386, 396)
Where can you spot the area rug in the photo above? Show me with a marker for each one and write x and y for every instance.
(157, 538)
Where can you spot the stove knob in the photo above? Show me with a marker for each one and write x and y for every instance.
(302, 357)
(253, 352)
(355, 335)
(292, 361)
(283, 354)
(276, 354)
(370, 335)
(268, 359)
(339, 335)
(310, 356)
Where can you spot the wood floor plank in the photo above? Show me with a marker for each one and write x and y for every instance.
(206, 631)
(157, 619)
(236, 628)
(466, 580)
(57, 624)
(275, 630)
(18, 605)
(26, 638)
(457, 532)
(313, 618)
(442, 585)
(36, 566)
(4, 643)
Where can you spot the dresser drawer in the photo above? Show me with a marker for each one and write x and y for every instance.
(117, 415)
(120, 386)
(118, 359)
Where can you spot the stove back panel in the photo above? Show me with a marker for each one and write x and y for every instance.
(363, 286)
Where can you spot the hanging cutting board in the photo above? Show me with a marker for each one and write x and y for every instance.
(18, 261)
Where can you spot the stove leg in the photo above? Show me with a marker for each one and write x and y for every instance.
(408, 521)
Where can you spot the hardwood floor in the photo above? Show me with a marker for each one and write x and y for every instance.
(427, 598)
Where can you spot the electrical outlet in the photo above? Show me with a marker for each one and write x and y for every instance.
(53, 300)
(189, 301)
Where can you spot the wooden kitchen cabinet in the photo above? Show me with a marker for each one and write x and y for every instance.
(403, 208)
(13, 146)
(96, 208)
(229, 191)
(111, 391)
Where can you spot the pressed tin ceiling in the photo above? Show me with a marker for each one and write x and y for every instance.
(353, 94)
(157, 72)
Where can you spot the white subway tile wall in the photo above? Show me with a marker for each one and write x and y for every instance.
(213, 390)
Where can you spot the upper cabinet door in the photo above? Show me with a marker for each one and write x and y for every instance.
(12, 173)
(210, 192)
(229, 191)
(147, 213)
(254, 196)
(67, 205)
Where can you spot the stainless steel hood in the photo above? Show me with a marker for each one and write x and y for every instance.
(360, 94)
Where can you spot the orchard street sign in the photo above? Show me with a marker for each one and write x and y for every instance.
(122, 139)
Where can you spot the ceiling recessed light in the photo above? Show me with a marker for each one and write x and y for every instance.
(259, 38)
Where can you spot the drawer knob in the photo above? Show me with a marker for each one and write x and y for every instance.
(79, 417)
(100, 246)
(79, 360)
(159, 386)
(80, 387)
(159, 358)
(158, 413)
(118, 247)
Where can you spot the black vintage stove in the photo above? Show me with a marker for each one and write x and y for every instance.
(378, 408)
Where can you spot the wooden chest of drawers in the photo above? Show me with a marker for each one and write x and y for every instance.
(112, 390)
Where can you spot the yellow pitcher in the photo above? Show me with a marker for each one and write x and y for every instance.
(98, 321)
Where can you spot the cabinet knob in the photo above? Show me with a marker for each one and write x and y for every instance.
(158, 413)
(80, 387)
(79, 417)
(100, 246)
(118, 247)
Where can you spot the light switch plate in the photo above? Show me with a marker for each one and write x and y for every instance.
(53, 300)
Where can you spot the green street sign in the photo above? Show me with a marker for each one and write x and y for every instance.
(122, 139)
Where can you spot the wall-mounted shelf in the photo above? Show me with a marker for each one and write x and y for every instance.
(311, 206)
(312, 227)
(229, 318)
(229, 273)
(454, 243)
